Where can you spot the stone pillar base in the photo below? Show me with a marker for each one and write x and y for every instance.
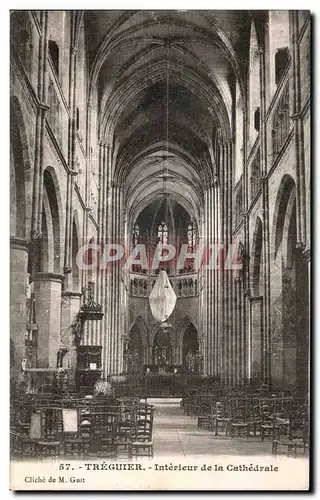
(70, 306)
(18, 300)
(47, 291)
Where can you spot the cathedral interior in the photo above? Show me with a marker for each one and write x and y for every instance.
(175, 127)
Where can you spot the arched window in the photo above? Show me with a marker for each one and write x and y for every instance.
(54, 112)
(184, 287)
(135, 235)
(77, 119)
(238, 205)
(21, 34)
(54, 54)
(163, 233)
(135, 287)
(191, 235)
(254, 85)
(256, 119)
(281, 61)
(278, 47)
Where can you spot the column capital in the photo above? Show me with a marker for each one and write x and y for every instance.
(306, 254)
(43, 106)
(71, 294)
(215, 182)
(244, 214)
(301, 245)
(226, 142)
(295, 116)
(36, 235)
(19, 243)
(104, 143)
(47, 276)
(67, 269)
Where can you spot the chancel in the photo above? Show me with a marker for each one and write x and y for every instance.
(160, 231)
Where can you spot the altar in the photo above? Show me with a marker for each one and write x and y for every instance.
(162, 368)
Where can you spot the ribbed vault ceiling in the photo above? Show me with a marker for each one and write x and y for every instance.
(132, 57)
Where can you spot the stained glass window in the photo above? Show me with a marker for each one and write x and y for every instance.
(191, 235)
(163, 233)
(135, 234)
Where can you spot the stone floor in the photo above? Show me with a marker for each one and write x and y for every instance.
(176, 435)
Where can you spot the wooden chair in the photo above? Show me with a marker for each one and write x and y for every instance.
(104, 430)
(125, 432)
(269, 426)
(221, 418)
(298, 438)
(239, 424)
(144, 416)
(142, 445)
(254, 418)
(205, 413)
(77, 431)
(44, 437)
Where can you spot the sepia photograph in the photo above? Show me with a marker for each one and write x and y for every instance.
(160, 205)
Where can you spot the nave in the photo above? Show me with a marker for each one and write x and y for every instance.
(159, 233)
(177, 435)
(200, 423)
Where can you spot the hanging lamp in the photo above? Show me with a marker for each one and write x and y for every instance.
(162, 299)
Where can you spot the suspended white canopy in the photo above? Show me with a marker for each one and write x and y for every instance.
(162, 299)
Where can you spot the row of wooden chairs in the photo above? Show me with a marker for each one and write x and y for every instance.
(281, 418)
(86, 429)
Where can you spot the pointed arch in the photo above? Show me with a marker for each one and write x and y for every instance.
(285, 198)
(184, 324)
(141, 325)
(256, 252)
(20, 173)
(76, 277)
(254, 83)
(55, 219)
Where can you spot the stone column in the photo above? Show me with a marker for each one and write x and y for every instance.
(208, 291)
(36, 223)
(235, 332)
(70, 306)
(217, 275)
(114, 317)
(298, 130)
(101, 230)
(221, 272)
(230, 153)
(18, 282)
(205, 311)
(239, 331)
(242, 340)
(226, 239)
(47, 290)
(106, 229)
(265, 224)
